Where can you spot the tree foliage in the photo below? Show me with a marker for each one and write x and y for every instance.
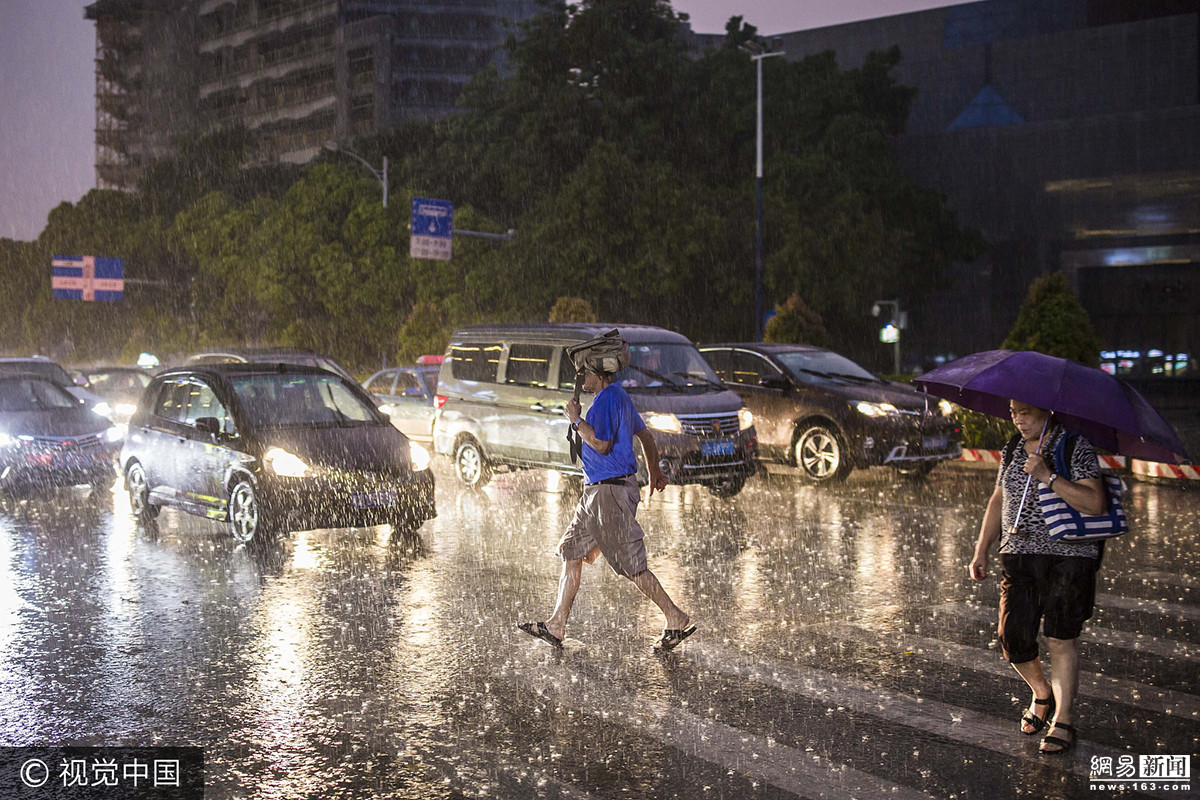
(1052, 321)
(796, 323)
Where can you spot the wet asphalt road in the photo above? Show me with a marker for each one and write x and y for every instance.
(842, 651)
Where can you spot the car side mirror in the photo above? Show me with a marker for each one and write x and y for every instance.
(209, 425)
(775, 382)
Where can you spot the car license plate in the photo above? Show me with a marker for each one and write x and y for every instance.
(724, 447)
(386, 497)
(933, 443)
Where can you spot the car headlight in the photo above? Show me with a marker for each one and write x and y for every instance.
(947, 407)
(6, 440)
(103, 409)
(667, 423)
(126, 409)
(418, 456)
(286, 464)
(874, 409)
(116, 433)
(745, 419)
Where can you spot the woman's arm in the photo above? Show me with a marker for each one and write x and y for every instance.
(1085, 495)
(989, 532)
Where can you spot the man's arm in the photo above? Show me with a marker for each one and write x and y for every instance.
(658, 481)
(585, 430)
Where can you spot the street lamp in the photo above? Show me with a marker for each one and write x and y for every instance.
(380, 174)
(757, 54)
(891, 332)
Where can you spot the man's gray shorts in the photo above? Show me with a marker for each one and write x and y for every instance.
(604, 518)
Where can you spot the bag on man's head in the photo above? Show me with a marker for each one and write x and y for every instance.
(607, 353)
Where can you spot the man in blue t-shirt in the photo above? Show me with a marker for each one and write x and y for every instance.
(604, 522)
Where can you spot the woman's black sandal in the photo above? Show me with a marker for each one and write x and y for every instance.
(1034, 721)
(1063, 744)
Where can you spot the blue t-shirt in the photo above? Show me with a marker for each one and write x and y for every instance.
(614, 419)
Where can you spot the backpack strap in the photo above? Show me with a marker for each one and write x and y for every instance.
(1009, 451)
(1064, 452)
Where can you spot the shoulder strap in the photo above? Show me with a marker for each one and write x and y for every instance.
(1009, 450)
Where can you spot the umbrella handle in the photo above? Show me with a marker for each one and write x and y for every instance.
(1029, 480)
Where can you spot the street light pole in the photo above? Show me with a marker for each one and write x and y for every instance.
(758, 188)
(380, 175)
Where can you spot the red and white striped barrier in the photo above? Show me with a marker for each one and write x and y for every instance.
(981, 456)
(1112, 462)
(1154, 469)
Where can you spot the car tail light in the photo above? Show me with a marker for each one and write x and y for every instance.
(439, 400)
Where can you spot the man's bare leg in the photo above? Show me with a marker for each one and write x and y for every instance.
(676, 619)
(568, 587)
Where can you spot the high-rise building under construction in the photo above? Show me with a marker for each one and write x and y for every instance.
(299, 73)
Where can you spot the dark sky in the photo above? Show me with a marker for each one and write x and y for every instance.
(47, 105)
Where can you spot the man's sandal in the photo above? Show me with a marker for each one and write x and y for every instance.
(1063, 744)
(538, 630)
(1033, 720)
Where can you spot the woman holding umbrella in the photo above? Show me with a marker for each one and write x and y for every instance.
(1043, 581)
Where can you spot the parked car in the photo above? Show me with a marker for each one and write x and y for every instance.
(266, 447)
(821, 412)
(121, 388)
(407, 396)
(503, 388)
(48, 438)
(53, 372)
(268, 355)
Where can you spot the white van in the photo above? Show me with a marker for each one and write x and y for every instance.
(503, 389)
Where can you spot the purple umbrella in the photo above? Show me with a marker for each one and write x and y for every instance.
(1108, 411)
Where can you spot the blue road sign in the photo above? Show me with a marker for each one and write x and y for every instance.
(431, 228)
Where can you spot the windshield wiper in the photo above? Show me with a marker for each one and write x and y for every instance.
(663, 379)
(848, 376)
(818, 373)
(700, 380)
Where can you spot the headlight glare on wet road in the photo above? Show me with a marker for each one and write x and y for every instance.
(745, 419)
(286, 464)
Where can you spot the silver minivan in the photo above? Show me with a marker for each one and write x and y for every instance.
(502, 392)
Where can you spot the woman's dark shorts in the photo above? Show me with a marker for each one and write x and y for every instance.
(1058, 591)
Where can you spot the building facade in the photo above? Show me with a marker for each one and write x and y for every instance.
(1068, 133)
(299, 73)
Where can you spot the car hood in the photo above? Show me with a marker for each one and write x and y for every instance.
(898, 394)
(58, 422)
(667, 402)
(366, 447)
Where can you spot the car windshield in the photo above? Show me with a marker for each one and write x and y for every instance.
(669, 367)
(300, 400)
(33, 394)
(808, 364)
(45, 369)
(430, 377)
(117, 383)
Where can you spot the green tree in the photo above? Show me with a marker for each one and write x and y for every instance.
(572, 309)
(425, 332)
(1052, 321)
(796, 323)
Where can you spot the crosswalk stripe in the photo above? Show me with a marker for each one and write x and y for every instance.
(1175, 611)
(1091, 684)
(803, 774)
(1108, 637)
(934, 717)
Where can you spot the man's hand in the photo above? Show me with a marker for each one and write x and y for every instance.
(658, 480)
(574, 410)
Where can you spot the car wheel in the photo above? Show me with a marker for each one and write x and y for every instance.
(916, 470)
(139, 493)
(246, 518)
(820, 455)
(727, 487)
(470, 466)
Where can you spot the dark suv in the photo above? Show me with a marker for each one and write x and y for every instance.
(272, 446)
(821, 412)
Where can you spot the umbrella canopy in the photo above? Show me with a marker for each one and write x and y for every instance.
(1107, 410)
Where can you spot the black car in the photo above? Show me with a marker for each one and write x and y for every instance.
(819, 411)
(268, 355)
(49, 438)
(269, 447)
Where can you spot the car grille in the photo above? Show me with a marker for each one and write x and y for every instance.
(59, 444)
(709, 425)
